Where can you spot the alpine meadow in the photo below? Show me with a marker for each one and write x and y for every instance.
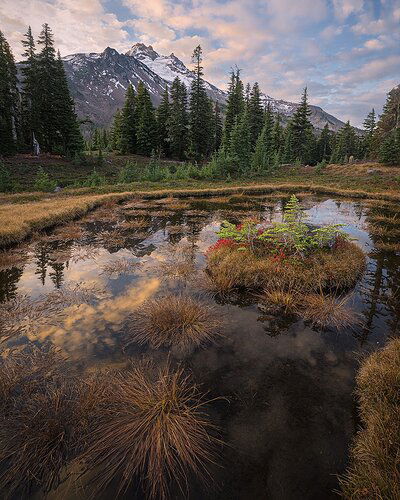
(200, 249)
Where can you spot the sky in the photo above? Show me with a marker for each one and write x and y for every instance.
(347, 52)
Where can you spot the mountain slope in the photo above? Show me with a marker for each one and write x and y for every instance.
(98, 83)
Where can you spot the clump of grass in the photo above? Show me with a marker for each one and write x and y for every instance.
(175, 204)
(138, 223)
(111, 238)
(69, 232)
(387, 246)
(16, 258)
(154, 430)
(174, 321)
(374, 470)
(327, 311)
(278, 300)
(392, 220)
(117, 267)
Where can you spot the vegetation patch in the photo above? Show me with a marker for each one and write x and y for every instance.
(374, 470)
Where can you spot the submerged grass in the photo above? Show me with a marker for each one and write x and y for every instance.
(374, 470)
(154, 431)
(328, 311)
(173, 321)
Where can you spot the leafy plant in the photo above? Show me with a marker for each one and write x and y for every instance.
(129, 173)
(43, 182)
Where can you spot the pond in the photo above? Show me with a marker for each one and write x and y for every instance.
(286, 407)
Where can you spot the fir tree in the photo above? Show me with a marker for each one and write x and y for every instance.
(278, 136)
(235, 105)
(240, 144)
(346, 144)
(390, 117)
(146, 122)
(128, 123)
(299, 131)
(368, 138)
(324, 144)
(263, 156)
(115, 141)
(178, 121)
(217, 127)
(163, 115)
(256, 114)
(200, 112)
(390, 149)
(8, 99)
(30, 90)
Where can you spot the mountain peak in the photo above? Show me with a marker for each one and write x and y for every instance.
(142, 51)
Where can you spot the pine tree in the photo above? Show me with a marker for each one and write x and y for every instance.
(235, 105)
(146, 122)
(116, 132)
(278, 136)
(263, 156)
(163, 116)
(368, 138)
(240, 144)
(178, 121)
(8, 99)
(30, 90)
(46, 71)
(256, 114)
(300, 128)
(346, 144)
(390, 149)
(200, 112)
(247, 94)
(217, 127)
(324, 144)
(390, 117)
(128, 123)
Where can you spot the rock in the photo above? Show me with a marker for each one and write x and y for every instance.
(373, 171)
(57, 189)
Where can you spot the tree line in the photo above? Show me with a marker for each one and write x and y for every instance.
(36, 105)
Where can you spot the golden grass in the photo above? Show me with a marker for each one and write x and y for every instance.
(117, 267)
(173, 321)
(139, 223)
(15, 258)
(174, 204)
(327, 311)
(19, 220)
(68, 232)
(392, 220)
(387, 246)
(374, 470)
(154, 430)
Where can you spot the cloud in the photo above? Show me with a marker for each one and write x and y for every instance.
(344, 8)
(371, 70)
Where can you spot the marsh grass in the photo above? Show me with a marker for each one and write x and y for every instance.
(14, 258)
(162, 213)
(155, 431)
(139, 223)
(391, 220)
(387, 246)
(374, 470)
(176, 204)
(75, 294)
(69, 232)
(117, 267)
(328, 311)
(180, 321)
(112, 238)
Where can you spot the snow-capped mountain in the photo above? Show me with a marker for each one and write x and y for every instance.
(98, 83)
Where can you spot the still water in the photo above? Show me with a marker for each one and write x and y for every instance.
(287, 412)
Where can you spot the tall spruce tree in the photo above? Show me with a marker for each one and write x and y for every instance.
(217, 127)
(8, 99)
(146, 124)
(263, 156)
(128, 141)
(30, 90)
(324, 144)
(389, 120)
(278, 136)
(178, 121)
(200, 112)
(115, 141)
(390, 148)
(367, 145)
(346, 144)
(235, 105)
(163, 115)
(240, 145)
(300, 127)
(256, 114)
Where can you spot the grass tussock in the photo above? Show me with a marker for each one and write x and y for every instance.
(139, 223)
(174, 321)
(154, 430)
(175, 204)
(327, 311)
(374, 470)
(69, 232)
(117, 267)
(387, 246)
(15, 258)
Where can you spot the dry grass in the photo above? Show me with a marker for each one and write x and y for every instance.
(276, 300)
(115, 268)
(387, 246)
(154, 431)
(19, 220)
(327, 311)
(68, 232)
(139, 223)
(174, 204)
(374, 470)
(391, 220)
(113, 238)
(174, 321)
(44, 423)
(15, 258)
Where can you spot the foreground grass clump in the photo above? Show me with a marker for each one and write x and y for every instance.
(326, 310)
(46, 416)
(154, 431)
(374, 470)
(173, 321)
(284, 255)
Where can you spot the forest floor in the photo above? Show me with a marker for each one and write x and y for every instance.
(22, 214)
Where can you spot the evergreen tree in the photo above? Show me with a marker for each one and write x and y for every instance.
(247, 94)
(115, 141)
(256, 114)
(299, 130)
(146, 122)
(368, 138)
(217, 127)
(200, 112)
(163, 115)
(240, 144)
(324, 144)
(235, 105)
(346, 144)
(128, 123)
(289, 154)
(178, 121)
(30, 90)
(8, 99)
(390, 117)
(390, 149)
(263, 156)
(278, 136)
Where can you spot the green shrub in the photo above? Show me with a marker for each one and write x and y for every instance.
(129, 173)
(95, 179)
(155, 172)
(43, 182)
(320, 166)
(6, 184)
